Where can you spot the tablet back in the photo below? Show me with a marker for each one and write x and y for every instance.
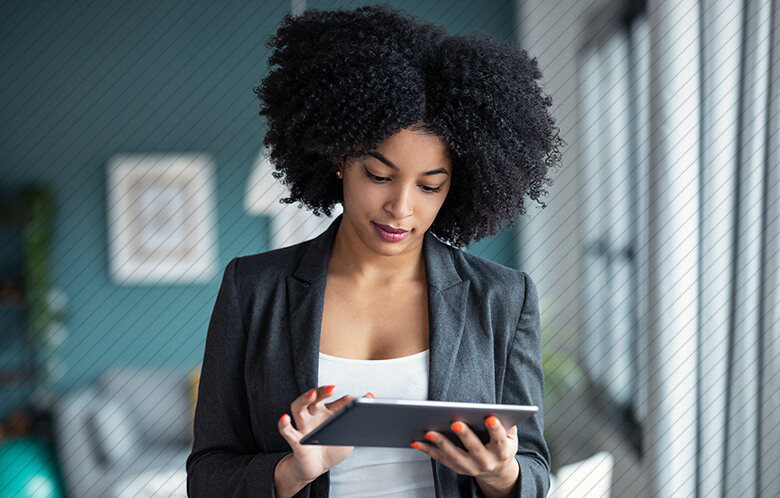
(397, 423)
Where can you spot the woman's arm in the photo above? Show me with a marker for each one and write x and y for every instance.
(308, 462)
(524, 385)
(225, 460)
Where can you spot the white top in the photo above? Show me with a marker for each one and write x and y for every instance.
(387, 472)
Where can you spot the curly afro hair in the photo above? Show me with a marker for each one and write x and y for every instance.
(342, 79)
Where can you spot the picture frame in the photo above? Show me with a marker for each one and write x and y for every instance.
(161, 218)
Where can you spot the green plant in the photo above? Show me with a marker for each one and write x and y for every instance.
(35, 211)
(563, 376)
(562, 373)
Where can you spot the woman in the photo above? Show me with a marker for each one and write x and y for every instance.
(422, 137)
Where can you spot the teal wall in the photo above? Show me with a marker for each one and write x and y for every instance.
(82, 81)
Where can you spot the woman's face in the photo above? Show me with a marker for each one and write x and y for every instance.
(393, 193)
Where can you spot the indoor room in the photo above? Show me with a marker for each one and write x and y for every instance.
(139, 171)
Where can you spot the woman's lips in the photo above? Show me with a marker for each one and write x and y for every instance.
(389, 233)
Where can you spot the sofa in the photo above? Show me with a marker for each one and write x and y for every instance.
(127, 434)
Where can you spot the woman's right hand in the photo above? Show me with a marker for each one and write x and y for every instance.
(307, 462)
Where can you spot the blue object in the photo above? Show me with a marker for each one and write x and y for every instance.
(29, 469)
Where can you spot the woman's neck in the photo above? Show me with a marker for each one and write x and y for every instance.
(350, 257)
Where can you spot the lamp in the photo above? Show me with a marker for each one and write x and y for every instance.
(290, 224)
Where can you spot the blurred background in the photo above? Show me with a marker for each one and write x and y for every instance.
(132, 172)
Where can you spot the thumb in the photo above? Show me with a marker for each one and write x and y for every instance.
(288, 432)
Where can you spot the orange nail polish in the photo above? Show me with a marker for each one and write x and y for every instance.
(311, 393)
(370, 395)
(491, 421)
(330, 389)
(284, 418)
(416, 446)
(457, 427)
(430, 436)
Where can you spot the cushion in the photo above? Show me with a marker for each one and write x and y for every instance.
(159, 398)
(112, 432)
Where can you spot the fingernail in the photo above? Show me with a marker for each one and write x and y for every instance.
(430, 437)
(330, 389)
(457, 427)
(491, 421)
(311, 393)
(369, 395)
(416, 446)
(284, 418)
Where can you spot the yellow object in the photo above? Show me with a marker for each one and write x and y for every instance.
(194, 383)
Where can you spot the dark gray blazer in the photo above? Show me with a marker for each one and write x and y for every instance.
(262, 352)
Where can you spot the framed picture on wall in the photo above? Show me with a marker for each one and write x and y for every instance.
(161, 218)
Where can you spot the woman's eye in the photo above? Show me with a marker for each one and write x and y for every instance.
(380, 179)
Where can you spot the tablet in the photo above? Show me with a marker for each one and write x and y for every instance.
(395, 423)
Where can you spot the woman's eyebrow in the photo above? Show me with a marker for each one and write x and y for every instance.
(385, 160)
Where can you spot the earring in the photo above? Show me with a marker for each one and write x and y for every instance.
(339, 175)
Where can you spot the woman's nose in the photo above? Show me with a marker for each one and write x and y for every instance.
(400, 205)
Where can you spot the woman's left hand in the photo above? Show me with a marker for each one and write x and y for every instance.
(492, 464)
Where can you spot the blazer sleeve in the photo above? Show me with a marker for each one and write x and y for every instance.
(225, 460)
(524, 384)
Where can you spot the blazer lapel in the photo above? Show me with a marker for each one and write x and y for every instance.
(447, 303)
(305, 298)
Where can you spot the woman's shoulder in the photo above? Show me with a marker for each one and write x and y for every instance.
(484, 273)
(481, 268)
(277, 262)
(505, 290)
